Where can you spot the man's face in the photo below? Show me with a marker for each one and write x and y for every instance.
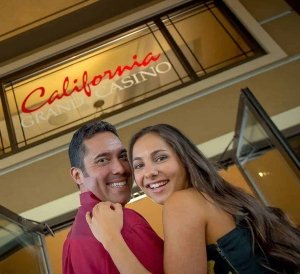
(107, 170)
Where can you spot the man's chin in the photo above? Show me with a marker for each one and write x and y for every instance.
(122, 200)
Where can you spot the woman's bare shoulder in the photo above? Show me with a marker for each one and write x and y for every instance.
(188, 201)
(186, 196)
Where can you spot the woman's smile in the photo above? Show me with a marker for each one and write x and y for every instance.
(158, 170)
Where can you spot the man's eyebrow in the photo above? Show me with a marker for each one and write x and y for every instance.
(108, 153)
(123, 150)
(100, 155)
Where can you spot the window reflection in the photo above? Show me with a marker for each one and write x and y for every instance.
(21, 251)
(266, 168)
(208, 39)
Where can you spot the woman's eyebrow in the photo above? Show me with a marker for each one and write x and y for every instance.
(152, 153)
(157, 151)
(136, 158)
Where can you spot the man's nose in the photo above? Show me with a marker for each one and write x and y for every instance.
(119, 167)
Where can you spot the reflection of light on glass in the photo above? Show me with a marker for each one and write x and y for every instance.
(263, 174)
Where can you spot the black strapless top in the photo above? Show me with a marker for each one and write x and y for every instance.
(234, 253)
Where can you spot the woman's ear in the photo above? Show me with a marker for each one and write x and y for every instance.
(76, 175)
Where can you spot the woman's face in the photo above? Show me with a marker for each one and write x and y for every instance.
(157, 169)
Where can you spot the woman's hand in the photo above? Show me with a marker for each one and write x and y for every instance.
(106, 221)
(106, 224)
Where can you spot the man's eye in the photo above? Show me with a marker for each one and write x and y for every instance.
(101, 161)
(124, 156)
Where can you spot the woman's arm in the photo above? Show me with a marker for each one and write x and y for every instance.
(106, 225)
(184, 233)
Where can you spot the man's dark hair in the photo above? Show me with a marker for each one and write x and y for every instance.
(77, 148)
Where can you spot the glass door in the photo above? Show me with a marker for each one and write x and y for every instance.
(265, 158)
(21, 245)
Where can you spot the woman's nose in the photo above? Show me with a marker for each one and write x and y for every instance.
(151, 172)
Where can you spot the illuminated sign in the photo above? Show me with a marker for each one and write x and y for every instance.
(42, 104)
(84, 85)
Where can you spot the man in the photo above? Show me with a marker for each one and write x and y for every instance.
(100, 168)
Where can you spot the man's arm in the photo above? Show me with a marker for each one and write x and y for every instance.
(66, 262)
(86, 256)
(146, 245)
(123, 257)
(129, 253)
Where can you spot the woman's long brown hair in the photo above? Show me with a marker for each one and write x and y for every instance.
(273, 233)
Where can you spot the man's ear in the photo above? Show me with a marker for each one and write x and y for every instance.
(76, 175)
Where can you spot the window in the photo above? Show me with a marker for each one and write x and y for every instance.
(160, 55)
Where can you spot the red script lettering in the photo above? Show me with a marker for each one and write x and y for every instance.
(85, 84)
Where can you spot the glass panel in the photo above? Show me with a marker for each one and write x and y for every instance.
(4, 139)
(294, 143)
(21, 251)
(266, 168)
(120, 72)
(291, 133)
(209, 41)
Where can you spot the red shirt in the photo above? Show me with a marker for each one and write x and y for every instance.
(83, 254)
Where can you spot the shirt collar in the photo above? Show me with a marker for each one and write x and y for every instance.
(88, 198)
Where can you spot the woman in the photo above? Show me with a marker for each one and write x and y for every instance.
(209, 225)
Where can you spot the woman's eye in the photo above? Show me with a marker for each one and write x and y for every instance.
(137, 166)
(161, 158)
